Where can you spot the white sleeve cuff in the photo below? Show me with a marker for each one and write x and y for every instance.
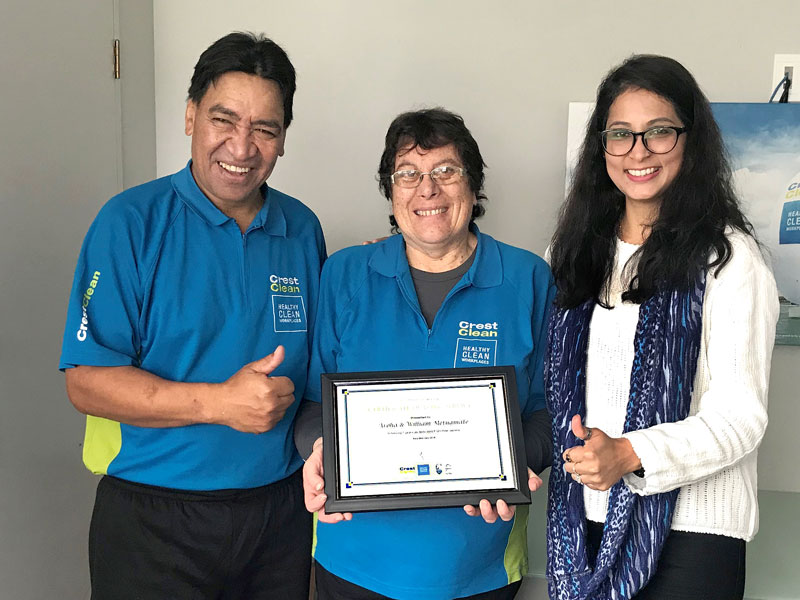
(649, 457)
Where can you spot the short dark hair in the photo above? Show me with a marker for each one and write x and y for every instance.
(254, 54)
(428, 129)
(688, 235)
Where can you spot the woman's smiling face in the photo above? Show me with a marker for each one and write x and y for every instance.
(432, 216)
(641, 175)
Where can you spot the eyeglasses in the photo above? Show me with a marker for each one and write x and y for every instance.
(411, 178)
(658, 140)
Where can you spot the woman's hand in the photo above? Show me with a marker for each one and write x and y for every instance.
(502, 510)
(602, 460)
(313, 485)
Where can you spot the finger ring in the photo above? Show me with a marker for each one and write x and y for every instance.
(568, 458)
(578, 478)
(574, 468)
(588, 434)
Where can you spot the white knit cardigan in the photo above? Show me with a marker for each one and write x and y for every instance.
(711, 455)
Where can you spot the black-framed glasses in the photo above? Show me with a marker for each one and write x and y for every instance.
(658, 140)
(411, 178)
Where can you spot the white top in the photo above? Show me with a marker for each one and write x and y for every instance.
(711, 455)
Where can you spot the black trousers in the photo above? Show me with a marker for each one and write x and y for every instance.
(692, 566)
(149, 543)
(332, 587)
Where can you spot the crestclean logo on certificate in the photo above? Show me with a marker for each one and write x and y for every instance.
(476, 345)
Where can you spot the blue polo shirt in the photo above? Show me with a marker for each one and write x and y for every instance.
(168, 283)
(369, 320)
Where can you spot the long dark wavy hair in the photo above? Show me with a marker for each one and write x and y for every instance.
(688, 234)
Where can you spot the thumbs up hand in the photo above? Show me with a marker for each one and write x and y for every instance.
(252, 401)
(602, 460)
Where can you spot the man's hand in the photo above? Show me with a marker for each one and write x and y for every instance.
(313, 488)
(602, 460)
(501, 509)
(250, 400)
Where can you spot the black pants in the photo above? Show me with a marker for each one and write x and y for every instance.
(332, 587)
(692, 566)
(150, 543)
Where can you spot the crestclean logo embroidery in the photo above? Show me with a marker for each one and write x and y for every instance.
(483, 330)
(288, 306)
(87, 297)
(284, 285)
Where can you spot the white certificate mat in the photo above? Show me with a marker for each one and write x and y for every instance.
(437, 436)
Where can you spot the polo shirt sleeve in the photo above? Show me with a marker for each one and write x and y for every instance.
(313, 298)
(106, 298)
(543, 296)
(325, 346)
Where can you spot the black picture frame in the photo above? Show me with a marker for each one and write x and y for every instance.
(510, 441)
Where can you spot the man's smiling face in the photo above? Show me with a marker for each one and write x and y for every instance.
(237, 136)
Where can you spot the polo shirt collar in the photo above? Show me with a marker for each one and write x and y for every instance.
(270, 217)
(486, 271)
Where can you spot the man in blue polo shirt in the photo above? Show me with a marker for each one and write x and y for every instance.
(186, 344)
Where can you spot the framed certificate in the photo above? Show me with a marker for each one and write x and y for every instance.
(422, 439)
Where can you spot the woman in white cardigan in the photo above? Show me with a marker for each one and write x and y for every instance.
(659, 352)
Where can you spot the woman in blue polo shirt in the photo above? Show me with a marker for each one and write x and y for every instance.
(409, 302)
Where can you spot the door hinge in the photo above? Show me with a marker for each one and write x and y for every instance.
(116, 59)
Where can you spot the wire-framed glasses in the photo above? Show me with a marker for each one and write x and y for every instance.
(658, 140)
(411, 178)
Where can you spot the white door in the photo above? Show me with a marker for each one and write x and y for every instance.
(59, 157)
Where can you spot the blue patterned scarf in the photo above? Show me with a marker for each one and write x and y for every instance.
(666, 346)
